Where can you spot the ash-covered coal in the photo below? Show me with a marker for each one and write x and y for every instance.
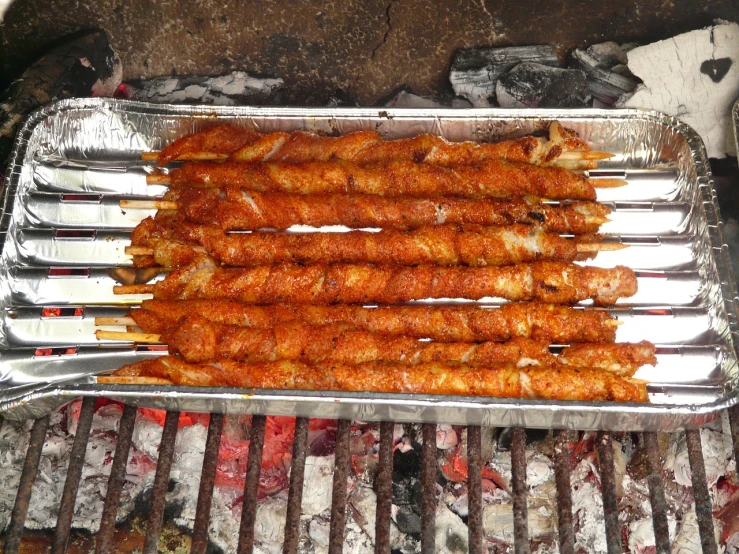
(534, 85)
(451, 488)
(606, 69)
(475, 72)
(236, 88)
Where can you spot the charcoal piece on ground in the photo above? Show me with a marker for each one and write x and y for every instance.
(533, 85)
(87, 65)
(610, 54)
(233, 89)
(604, 84)
(475, 72)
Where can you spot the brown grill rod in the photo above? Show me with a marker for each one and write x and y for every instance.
(703, 507)
(657, 493)
(161, 482)
(295, 489)
(104, 539)
(734, 425)
(564, 492)
(74, 473)
(521, 543)
(207, 481)
(251, 485)
(474, 489)
(428, 489)
(28, 476)
(384, 488)
(604, 445)
(339, 492)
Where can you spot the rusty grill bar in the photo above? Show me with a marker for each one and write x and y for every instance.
(383, 486)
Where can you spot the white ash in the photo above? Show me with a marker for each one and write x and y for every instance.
(688, 539)
(317, 485)
(587, 508)
(695, 77)
(641, 535)
(48, 487)
(13, 446)
(717, 457)
(451, 532)
(235, 88)
(497, 522)
(446, 437)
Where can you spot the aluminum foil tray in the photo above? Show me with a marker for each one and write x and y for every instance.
(63, 231)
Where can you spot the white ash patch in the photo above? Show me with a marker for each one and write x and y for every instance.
(318, 484)
(717, 457)
(693, 76)
(13, 446)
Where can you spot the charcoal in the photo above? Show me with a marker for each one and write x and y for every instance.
(609, 54)
(408, 522)
(84, 66)
(533, 85)
(608, 79)
(475, 72)
(341, 99)
(228, 90)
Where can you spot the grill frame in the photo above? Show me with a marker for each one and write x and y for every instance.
(428, 477)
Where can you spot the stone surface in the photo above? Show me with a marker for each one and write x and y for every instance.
(364, 47)
(694, 76)
(533, 85)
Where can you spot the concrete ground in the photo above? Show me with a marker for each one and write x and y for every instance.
(365, 47)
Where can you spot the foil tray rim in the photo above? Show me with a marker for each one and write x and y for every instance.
(39, 399)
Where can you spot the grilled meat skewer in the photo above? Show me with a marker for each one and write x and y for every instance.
(500, 380)
(492, 179)
(462, 323)
(198, 340)
(175, 243)
(234, 209)
(228, 142)
(554, 282)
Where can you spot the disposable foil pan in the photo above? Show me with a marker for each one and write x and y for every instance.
(63, 231)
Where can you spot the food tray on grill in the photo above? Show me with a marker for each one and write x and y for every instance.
(65, 233)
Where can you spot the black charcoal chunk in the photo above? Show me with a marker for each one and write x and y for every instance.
(86, 65)
(475, 72)
(609, 54)
(605, 67)
(533, 85)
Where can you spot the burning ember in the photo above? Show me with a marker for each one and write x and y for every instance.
(452, 511)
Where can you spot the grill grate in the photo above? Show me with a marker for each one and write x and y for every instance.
(383, 485)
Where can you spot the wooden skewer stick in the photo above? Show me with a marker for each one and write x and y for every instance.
(584, 247)
(132, 380)
(149, 338)
(149, 204)
(123, 321)
(188, 156)
(146, 251)
(158, 179)
(581, 247)
(579, 155)
(133, 289)
(608, 183)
